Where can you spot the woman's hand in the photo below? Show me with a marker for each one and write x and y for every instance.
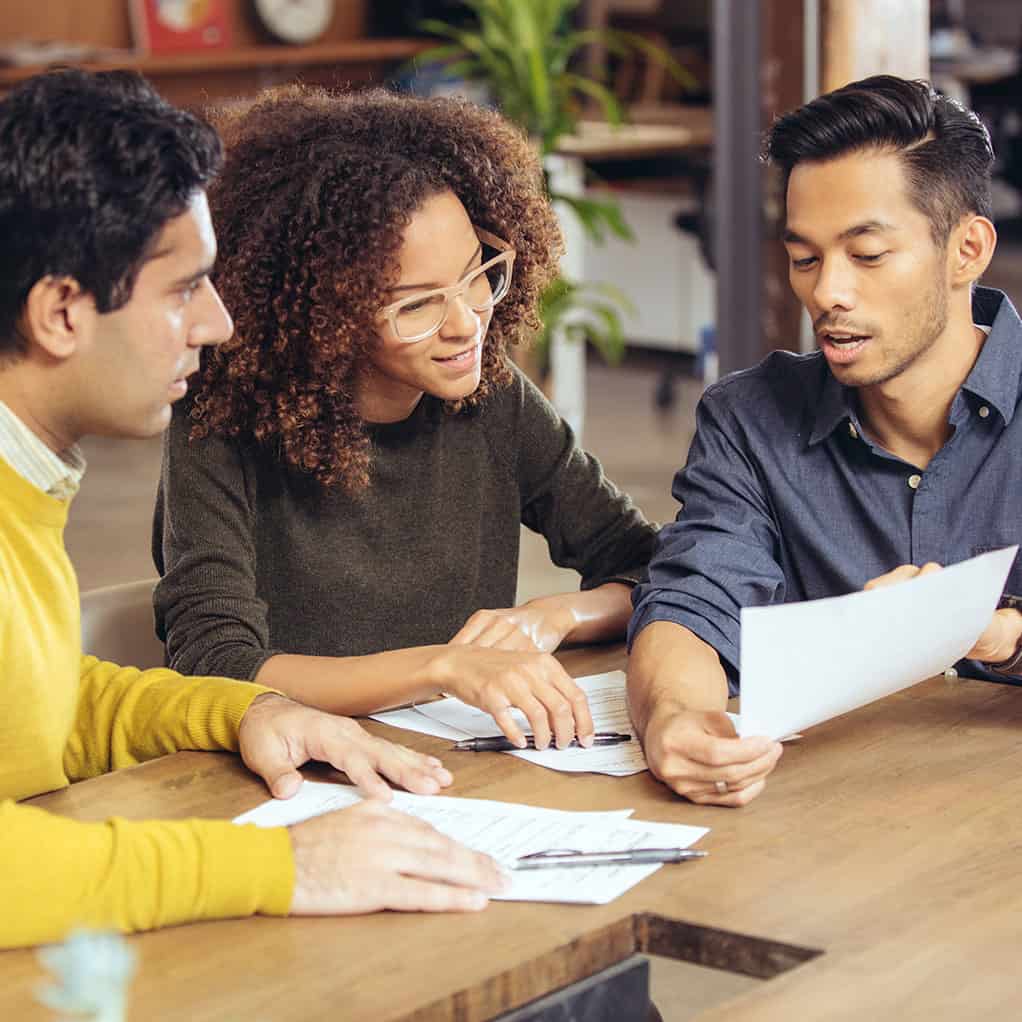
(595, 615)
(540, 625)
(495, 680)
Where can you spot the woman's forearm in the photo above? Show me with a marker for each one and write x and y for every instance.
(357, 685)
(595, 615)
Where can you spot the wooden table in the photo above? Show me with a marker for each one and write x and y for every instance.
(877, 877)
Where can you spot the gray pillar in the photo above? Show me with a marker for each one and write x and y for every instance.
(736, 169)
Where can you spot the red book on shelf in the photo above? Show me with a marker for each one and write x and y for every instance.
(180, 26)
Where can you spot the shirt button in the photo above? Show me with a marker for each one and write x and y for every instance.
(984, 412)
(852, 431)
(914, 481)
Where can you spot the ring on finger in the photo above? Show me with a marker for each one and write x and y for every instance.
(721, 786)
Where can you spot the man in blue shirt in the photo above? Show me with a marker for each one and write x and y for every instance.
(893, 446)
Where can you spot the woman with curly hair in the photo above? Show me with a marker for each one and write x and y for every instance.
(340, 502)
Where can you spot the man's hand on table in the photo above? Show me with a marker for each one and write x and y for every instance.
(277, 736)
(369, 857)
(695, 752)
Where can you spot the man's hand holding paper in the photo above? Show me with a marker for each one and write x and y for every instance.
(698, 754)
(999, 640)
(803, 663)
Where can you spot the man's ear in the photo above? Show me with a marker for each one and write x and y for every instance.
(970, 249)
(57, 315)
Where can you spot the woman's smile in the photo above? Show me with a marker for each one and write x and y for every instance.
(462, 361)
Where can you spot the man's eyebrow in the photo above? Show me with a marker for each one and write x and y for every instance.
(791, 237)
(431, 286)
(866, 227)
(182, 282)
(192, 278)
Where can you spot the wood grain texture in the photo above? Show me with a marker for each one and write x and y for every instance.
(254, 61)
(196, 80)
(108, 22)
(887, 840)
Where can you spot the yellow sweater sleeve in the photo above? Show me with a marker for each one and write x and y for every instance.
(126, 716)
(56, 874)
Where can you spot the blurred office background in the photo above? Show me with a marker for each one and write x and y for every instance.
(702, 213)
(683, 172)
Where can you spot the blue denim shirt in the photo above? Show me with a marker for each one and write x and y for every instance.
(785, 498)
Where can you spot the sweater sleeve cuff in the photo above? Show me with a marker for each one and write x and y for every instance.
(629, 577)
(216, 709)
(250, 870)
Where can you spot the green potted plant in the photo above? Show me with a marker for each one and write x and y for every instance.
(524, 52)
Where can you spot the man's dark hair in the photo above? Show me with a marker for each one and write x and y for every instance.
(944, 148)
(92, 166)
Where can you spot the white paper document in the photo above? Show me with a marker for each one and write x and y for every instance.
(416, 720)
(507, 831)
(451, 718)
(803, 663)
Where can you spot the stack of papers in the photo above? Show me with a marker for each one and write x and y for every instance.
(453, 719)
(507, 831)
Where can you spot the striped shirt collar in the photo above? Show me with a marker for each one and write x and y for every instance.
(59, 475)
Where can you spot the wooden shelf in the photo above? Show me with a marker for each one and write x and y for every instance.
(598, 140)
(197, 80)
(249, 58)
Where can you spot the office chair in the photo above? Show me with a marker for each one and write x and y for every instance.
(117, 624)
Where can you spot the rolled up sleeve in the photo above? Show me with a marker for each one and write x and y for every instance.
(722, 552)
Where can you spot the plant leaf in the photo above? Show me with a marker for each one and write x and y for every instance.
(607, 100)
(597, 216)
(657, 55)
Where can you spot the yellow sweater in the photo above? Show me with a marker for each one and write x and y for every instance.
(65, 717)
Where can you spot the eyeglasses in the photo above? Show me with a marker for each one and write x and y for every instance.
(421, 315)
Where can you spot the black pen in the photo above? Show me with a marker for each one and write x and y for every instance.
(624, 857)
(499, 743)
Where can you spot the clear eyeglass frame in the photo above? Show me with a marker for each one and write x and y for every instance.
(505, 255)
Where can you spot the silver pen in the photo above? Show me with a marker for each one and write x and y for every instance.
(623, 857)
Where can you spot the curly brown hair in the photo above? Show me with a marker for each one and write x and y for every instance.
(310, 208)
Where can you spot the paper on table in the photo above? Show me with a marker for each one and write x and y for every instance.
(803, 663)
(736, 719)
(314, 798)
(507, 831)
(607, 703)
(599, 884)
(413, 719)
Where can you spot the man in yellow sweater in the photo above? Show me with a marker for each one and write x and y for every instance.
(105, 303)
